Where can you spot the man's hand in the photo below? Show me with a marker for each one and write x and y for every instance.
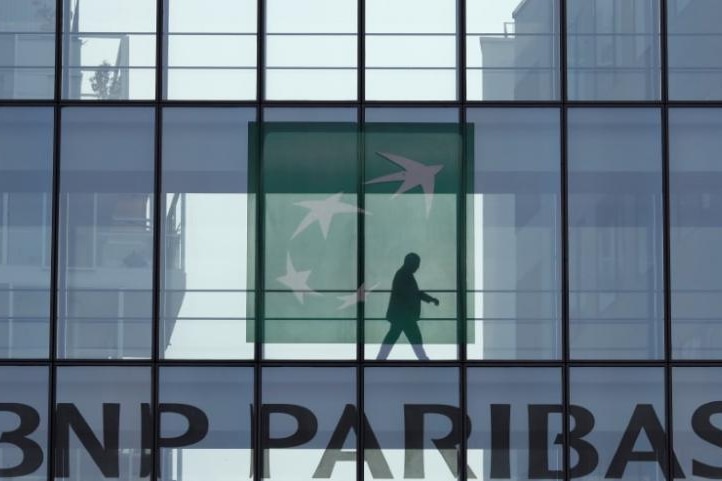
(435, 301)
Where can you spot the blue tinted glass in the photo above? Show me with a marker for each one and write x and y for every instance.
(519, 400)
(27, 49)
(24, 396)
(111, 401)
(406, 408)
(611, 403)
(613, 49)
(694, 41)
(513, 250)
(615, 234)
(317, 406)
(208, 241)
(106, 233)
(512, 49)
(695, 181)
(26, 141)
(220, 448)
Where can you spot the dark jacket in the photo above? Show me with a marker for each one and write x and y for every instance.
(405, 301)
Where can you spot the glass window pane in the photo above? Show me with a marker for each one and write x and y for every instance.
(310, 173)
(27, 389)
(524, 402)
(411, 50)
(101, 405)
(622, 409)
(210, 49)
(311, 49)
(694, 41)
(208, 238)
(27, 49)
(26, 158)
(696, 401)
(513, 251)
(224, 396)
(109, 49)
(695, 181)
(512, 49)
(412, 189)
(106, 236)
(317, 407)
(615, 234)
(613, 50)
(407, 408)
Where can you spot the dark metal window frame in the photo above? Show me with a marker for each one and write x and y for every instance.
(462, 104)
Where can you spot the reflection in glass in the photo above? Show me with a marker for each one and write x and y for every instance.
(311, 212)
(407, 408)
(106, 233)
(615, 234)
(526, 398)
(210, 49)
(318, 405)
(225, 396)
(411, 195)
(97, 394)
(207, 234)
(311, 49)
(109, 49)
(695, 181)
(696, 399)
(613, 49)
(27, 49)
(26, 142)
(513, 251)
(26, 388)
(411, 50)
(617, 397)
(512, 49)
(694, 41)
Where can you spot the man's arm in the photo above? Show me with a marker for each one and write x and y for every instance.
(427, 298)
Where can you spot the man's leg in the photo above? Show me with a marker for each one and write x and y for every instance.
(413, 333)
(391, 337)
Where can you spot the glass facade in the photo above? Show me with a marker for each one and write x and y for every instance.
(360, 239)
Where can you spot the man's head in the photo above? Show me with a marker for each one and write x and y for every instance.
(412, 261)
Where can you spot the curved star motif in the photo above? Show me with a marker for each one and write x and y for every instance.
(414, 174)
(360, 295)
(322, 211)
(295, 280)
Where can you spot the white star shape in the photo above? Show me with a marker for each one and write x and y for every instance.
(322, 211)
(295, 280)
(414, 174)
(359, 296)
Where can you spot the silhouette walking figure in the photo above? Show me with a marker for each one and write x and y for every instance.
(405, 309)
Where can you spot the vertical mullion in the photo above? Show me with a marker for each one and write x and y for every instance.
(360, 312)
(564, 206)
(461, 48)
(666, 239)
(158, 228)
(461, 288)
(257, 452)
(562, 19)
(361, 52)
(461, 253)
(54, 249)
(258, 456)
(54, 238)
(260, 52)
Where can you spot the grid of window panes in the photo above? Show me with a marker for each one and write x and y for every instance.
(207, 211)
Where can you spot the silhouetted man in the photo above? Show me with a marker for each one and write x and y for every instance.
(405, 309)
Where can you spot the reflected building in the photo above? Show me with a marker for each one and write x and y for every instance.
(196, 276)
